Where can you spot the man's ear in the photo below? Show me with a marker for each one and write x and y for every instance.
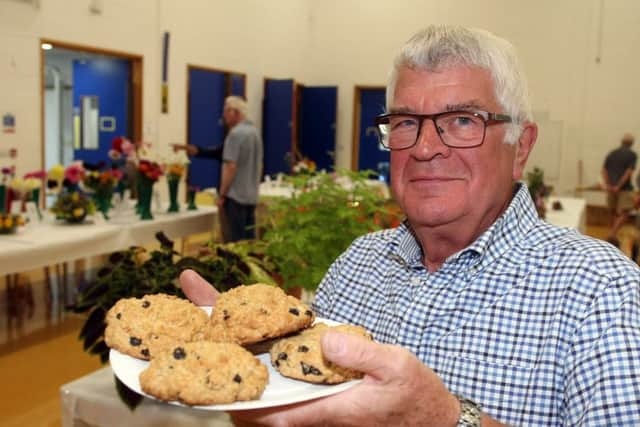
(524, 145)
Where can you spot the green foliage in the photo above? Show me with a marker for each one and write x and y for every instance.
(304, 234)
(535, 182)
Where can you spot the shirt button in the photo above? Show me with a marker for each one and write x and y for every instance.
(415, 281)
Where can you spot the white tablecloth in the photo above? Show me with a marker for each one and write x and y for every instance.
(50, 243)
(573, 213)
(92, 400)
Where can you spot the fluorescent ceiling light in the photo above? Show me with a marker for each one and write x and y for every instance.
(46, 46)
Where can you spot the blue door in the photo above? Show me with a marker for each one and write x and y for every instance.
(100, 85)
(318, 125)
(237, 84)
(277, 120)
(372, 155)
(206, 126)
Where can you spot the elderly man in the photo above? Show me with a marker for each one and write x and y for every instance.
(482, 313)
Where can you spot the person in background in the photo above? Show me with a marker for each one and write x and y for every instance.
(482, 313)
(241, 171)
(616, 173)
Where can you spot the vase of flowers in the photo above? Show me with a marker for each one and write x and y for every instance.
(148, 173)
(174, 169)
(102, 184)
(9, 223)
(121, 153)
(72, 206)
(191, 198)
(34, 183)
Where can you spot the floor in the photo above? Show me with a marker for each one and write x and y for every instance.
(40, 351)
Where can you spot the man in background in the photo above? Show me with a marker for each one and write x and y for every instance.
(241, 155)
(241, 170)
(616, 177)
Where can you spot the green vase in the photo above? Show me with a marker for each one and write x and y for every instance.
(191, 200)
(35, 196)
(173, 195)
(3, 198)
(102, 200)
(145, 192)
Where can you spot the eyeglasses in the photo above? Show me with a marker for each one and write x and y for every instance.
(457, 129)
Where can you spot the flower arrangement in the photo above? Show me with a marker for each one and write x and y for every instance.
(10, 222)
(175, 165)
(304, 166)
(149, 171)
(121, 148)
(101, 183)
(122, 151)
(299, 163)
(7, 174)
(73, 206)
(55, 178)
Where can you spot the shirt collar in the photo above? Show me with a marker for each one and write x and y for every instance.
(503, 234)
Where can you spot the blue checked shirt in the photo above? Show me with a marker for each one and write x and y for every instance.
(538, 324)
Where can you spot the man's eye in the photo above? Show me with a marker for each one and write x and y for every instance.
(403, 124)
(465, 121)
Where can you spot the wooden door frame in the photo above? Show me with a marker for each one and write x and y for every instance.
(135, 80)
(355, 130)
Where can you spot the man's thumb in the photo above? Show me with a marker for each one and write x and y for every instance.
(356, 352)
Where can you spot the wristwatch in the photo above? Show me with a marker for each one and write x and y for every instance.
(469, 412)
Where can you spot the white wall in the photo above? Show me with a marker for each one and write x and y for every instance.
(584, 106)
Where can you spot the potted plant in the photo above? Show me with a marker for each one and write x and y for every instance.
(304, 234)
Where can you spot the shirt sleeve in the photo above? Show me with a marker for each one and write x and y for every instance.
(232, 146)
(602, 379)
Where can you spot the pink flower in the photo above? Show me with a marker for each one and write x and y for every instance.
(74, 173)
(117, 173)
(114, 155)
(36, 175)
(127, 147)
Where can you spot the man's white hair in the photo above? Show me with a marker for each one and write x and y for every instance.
(238, 104)
(440, 47)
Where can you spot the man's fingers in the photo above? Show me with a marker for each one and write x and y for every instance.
(198, 290)
(359, 353)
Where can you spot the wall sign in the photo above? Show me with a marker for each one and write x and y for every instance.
(8, 123)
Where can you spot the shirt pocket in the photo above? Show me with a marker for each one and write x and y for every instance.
(512, 393)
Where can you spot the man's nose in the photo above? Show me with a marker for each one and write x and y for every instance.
(429, 142)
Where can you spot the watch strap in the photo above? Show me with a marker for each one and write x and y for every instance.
(470, 412)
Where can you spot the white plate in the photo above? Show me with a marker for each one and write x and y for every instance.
(279, 391)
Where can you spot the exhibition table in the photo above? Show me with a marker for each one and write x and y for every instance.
(572, 213)
(49, 243)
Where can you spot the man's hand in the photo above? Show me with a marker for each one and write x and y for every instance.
(397, 390)
(191, 149)
(198, 290)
